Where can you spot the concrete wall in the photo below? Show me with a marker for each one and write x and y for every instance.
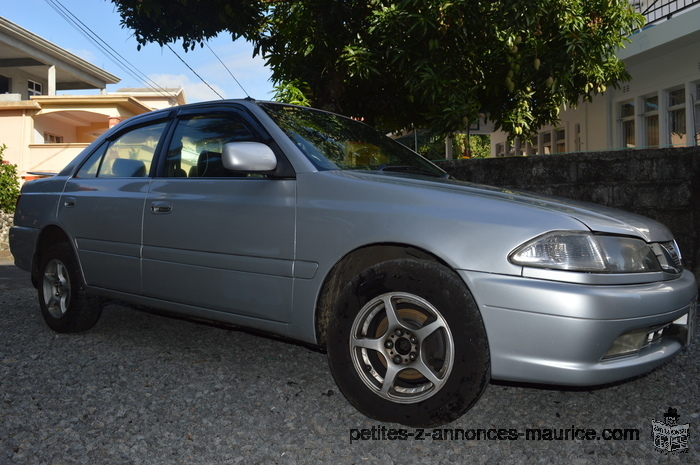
(663, 184)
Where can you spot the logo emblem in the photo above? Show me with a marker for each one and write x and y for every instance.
(670, 437)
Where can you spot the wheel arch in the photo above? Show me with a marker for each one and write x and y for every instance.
(48, 237)
(350, 266)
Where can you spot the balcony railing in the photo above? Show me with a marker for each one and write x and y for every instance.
(662, 10)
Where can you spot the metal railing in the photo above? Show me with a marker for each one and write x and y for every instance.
(662, 10)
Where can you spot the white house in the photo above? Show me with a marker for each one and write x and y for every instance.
(659, 107)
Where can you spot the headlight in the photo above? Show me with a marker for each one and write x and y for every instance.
(585, 252)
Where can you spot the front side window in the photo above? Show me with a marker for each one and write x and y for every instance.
(128, 156)
(333, 142)
(197, 144)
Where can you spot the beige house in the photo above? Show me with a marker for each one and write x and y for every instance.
(43, 131)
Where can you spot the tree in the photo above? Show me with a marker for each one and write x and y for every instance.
(435, 64)
(293, 92)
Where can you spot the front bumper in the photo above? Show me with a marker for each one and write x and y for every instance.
(558, 333)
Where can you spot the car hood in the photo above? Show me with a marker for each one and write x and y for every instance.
(597, 218)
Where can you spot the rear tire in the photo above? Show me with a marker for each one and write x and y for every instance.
(65, 304)
(406, 344)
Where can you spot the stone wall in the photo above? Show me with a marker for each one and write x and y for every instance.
(6, 221)
(663, 184)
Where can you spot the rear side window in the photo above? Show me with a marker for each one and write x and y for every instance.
(128, 156)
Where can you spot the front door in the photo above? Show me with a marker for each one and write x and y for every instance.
(213, 238)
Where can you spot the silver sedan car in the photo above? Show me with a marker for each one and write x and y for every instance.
(315, 227)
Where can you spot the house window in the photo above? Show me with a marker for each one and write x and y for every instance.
(500, 149)
(530, 149)
(627, 123)
(5, 85)
(676, 117)
(546, 138)
(34, 88)
(561, 140)
(651, 121)
(537, 145)
(578, 143)
(52, 138)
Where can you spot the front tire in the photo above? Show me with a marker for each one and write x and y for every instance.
(65, 304)
(407, 344)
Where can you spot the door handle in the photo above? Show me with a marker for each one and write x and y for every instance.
(69, 202)
(161, 207)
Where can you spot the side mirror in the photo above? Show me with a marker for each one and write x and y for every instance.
(249, 157)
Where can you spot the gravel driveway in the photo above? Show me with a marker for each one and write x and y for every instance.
(141, 388)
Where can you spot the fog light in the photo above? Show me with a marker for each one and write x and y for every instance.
(628, 344)
(633, 341)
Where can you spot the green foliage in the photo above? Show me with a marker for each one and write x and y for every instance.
(432, 147)
(9, 184)
(192, 21)
(479, 146)
(402, 64)
(293, 92)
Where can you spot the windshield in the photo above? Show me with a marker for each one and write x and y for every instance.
(334, 142)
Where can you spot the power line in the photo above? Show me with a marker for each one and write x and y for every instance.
(193, 71)
(122, 62)
(227, 69)
(112, 54)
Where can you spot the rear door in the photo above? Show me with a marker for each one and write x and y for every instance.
(213, 238)
(102, 207)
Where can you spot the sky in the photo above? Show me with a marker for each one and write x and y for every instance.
(159, 64)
